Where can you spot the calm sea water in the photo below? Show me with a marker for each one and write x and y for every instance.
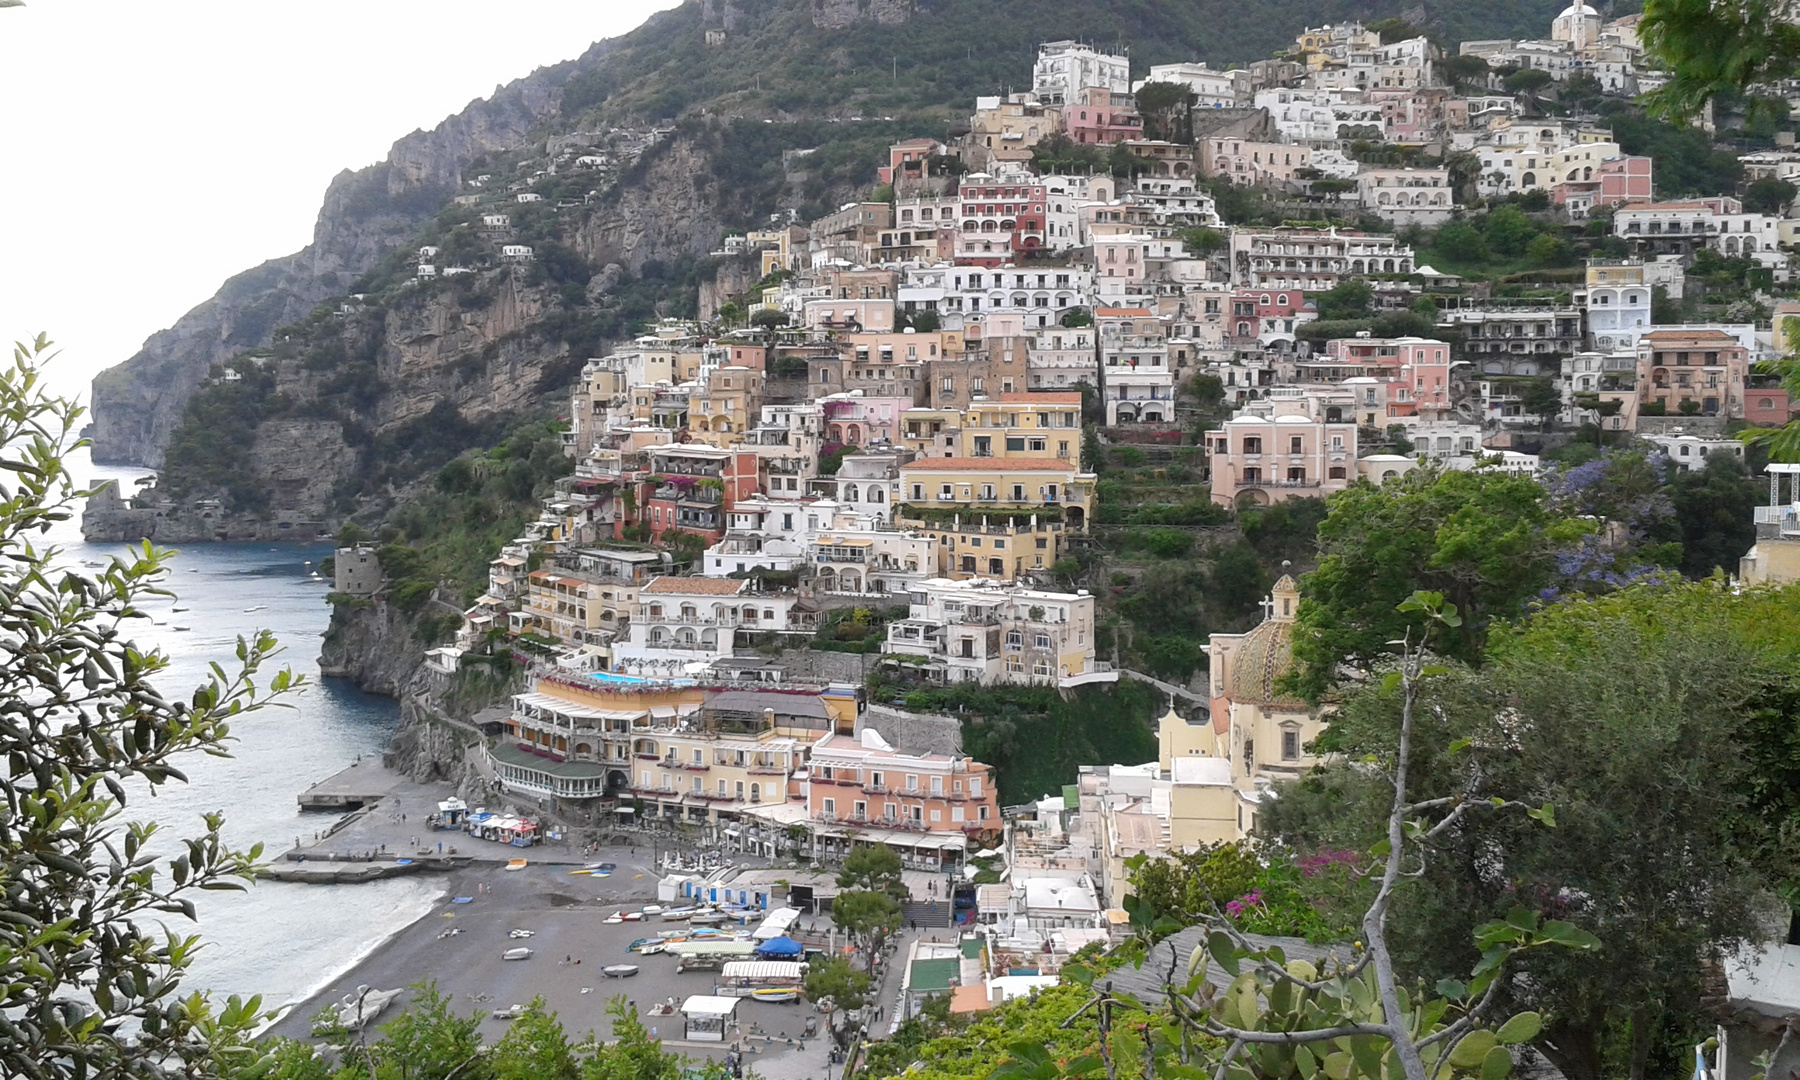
(281, 940)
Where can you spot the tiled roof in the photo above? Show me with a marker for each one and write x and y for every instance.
(696, 585)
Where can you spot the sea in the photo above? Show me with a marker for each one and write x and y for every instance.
(284, 941)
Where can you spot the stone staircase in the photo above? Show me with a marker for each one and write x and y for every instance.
(919, 913)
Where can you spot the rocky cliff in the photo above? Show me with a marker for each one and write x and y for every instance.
(373, 644)
(365, 216)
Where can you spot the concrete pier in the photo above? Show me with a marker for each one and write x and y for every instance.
(360, 785)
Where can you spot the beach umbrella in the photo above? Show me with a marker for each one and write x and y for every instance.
(781, 946)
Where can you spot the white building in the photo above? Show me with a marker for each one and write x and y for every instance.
(1065, 68)
(684, 621)
(973, 631)
(1212, 89)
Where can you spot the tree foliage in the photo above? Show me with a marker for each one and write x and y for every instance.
(1648, 718)
(89, 984)
(1486, 540)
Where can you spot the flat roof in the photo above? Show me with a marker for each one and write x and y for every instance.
(710, 1005)
(930, 975)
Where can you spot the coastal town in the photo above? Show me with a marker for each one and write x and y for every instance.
(872, 470)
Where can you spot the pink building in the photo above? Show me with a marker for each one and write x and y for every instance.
(1269, 459)
(999, 219)
(1766, 406)
(1101, 116)
(1260, 317)
(1417, 370)
(1245, 162)
(854, 419)
(1625, 179)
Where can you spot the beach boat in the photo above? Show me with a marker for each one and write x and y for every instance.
(514, 864)
(599, 866)
(775, 994)
(520, 953)
(653, 909)
(678, 914)
(632, 916)
(614, 919)
(572, 873)
(521, 933)
(710, 918)
(182, 629)
(359, 1009)
(619, 971)
(511, 1012)
(651, 948)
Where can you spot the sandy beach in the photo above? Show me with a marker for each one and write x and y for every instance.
(459, 945)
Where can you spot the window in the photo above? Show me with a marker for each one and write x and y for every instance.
(1042, 641)
(1252, 444)
(1296, 444)
(830, 806)
(1290, 743)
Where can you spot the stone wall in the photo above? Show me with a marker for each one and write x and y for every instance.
(911, 732)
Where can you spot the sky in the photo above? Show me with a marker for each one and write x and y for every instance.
(148, 151)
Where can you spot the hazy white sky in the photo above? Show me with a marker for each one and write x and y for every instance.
(149, 150)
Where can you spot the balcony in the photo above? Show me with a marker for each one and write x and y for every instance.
(696, 766)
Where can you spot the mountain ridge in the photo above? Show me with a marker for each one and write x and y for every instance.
(779, 60)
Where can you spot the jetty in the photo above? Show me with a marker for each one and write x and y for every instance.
(359, 785)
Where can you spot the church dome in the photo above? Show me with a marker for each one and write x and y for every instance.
(1578, 10)
(1267, 652)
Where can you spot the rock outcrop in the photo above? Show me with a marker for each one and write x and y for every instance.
(374, 645)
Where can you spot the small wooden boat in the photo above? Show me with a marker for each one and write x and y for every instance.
(775, 994)
(520, 953)
(619, 971)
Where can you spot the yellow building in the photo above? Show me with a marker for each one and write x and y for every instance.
(725, 406)
(994, 517)
(1264, 731)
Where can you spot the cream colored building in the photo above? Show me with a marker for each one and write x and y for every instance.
(1263, 730)
(1775, 557)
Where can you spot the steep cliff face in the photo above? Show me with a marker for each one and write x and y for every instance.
(365, 216)
(374, 645)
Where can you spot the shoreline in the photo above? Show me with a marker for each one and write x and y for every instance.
(314, 991)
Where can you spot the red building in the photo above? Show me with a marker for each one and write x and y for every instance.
(692, 487)
(1000, 220)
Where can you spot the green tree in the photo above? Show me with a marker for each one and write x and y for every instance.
(836, 981)
(875, 867)
(1716, 50)
(868, 917)
(1527, 81)
(1352, 298)
(1541, 398)
(1715, 510)
(1167, 109)
(1266, 1016)
(1466, 70)
(1509, 232)
(1600, 707)
(1486, 540)
(769, 319)
(1202, 241)
(91, 977)
(1461, 242)
(1545, 249)
(1769, 195)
